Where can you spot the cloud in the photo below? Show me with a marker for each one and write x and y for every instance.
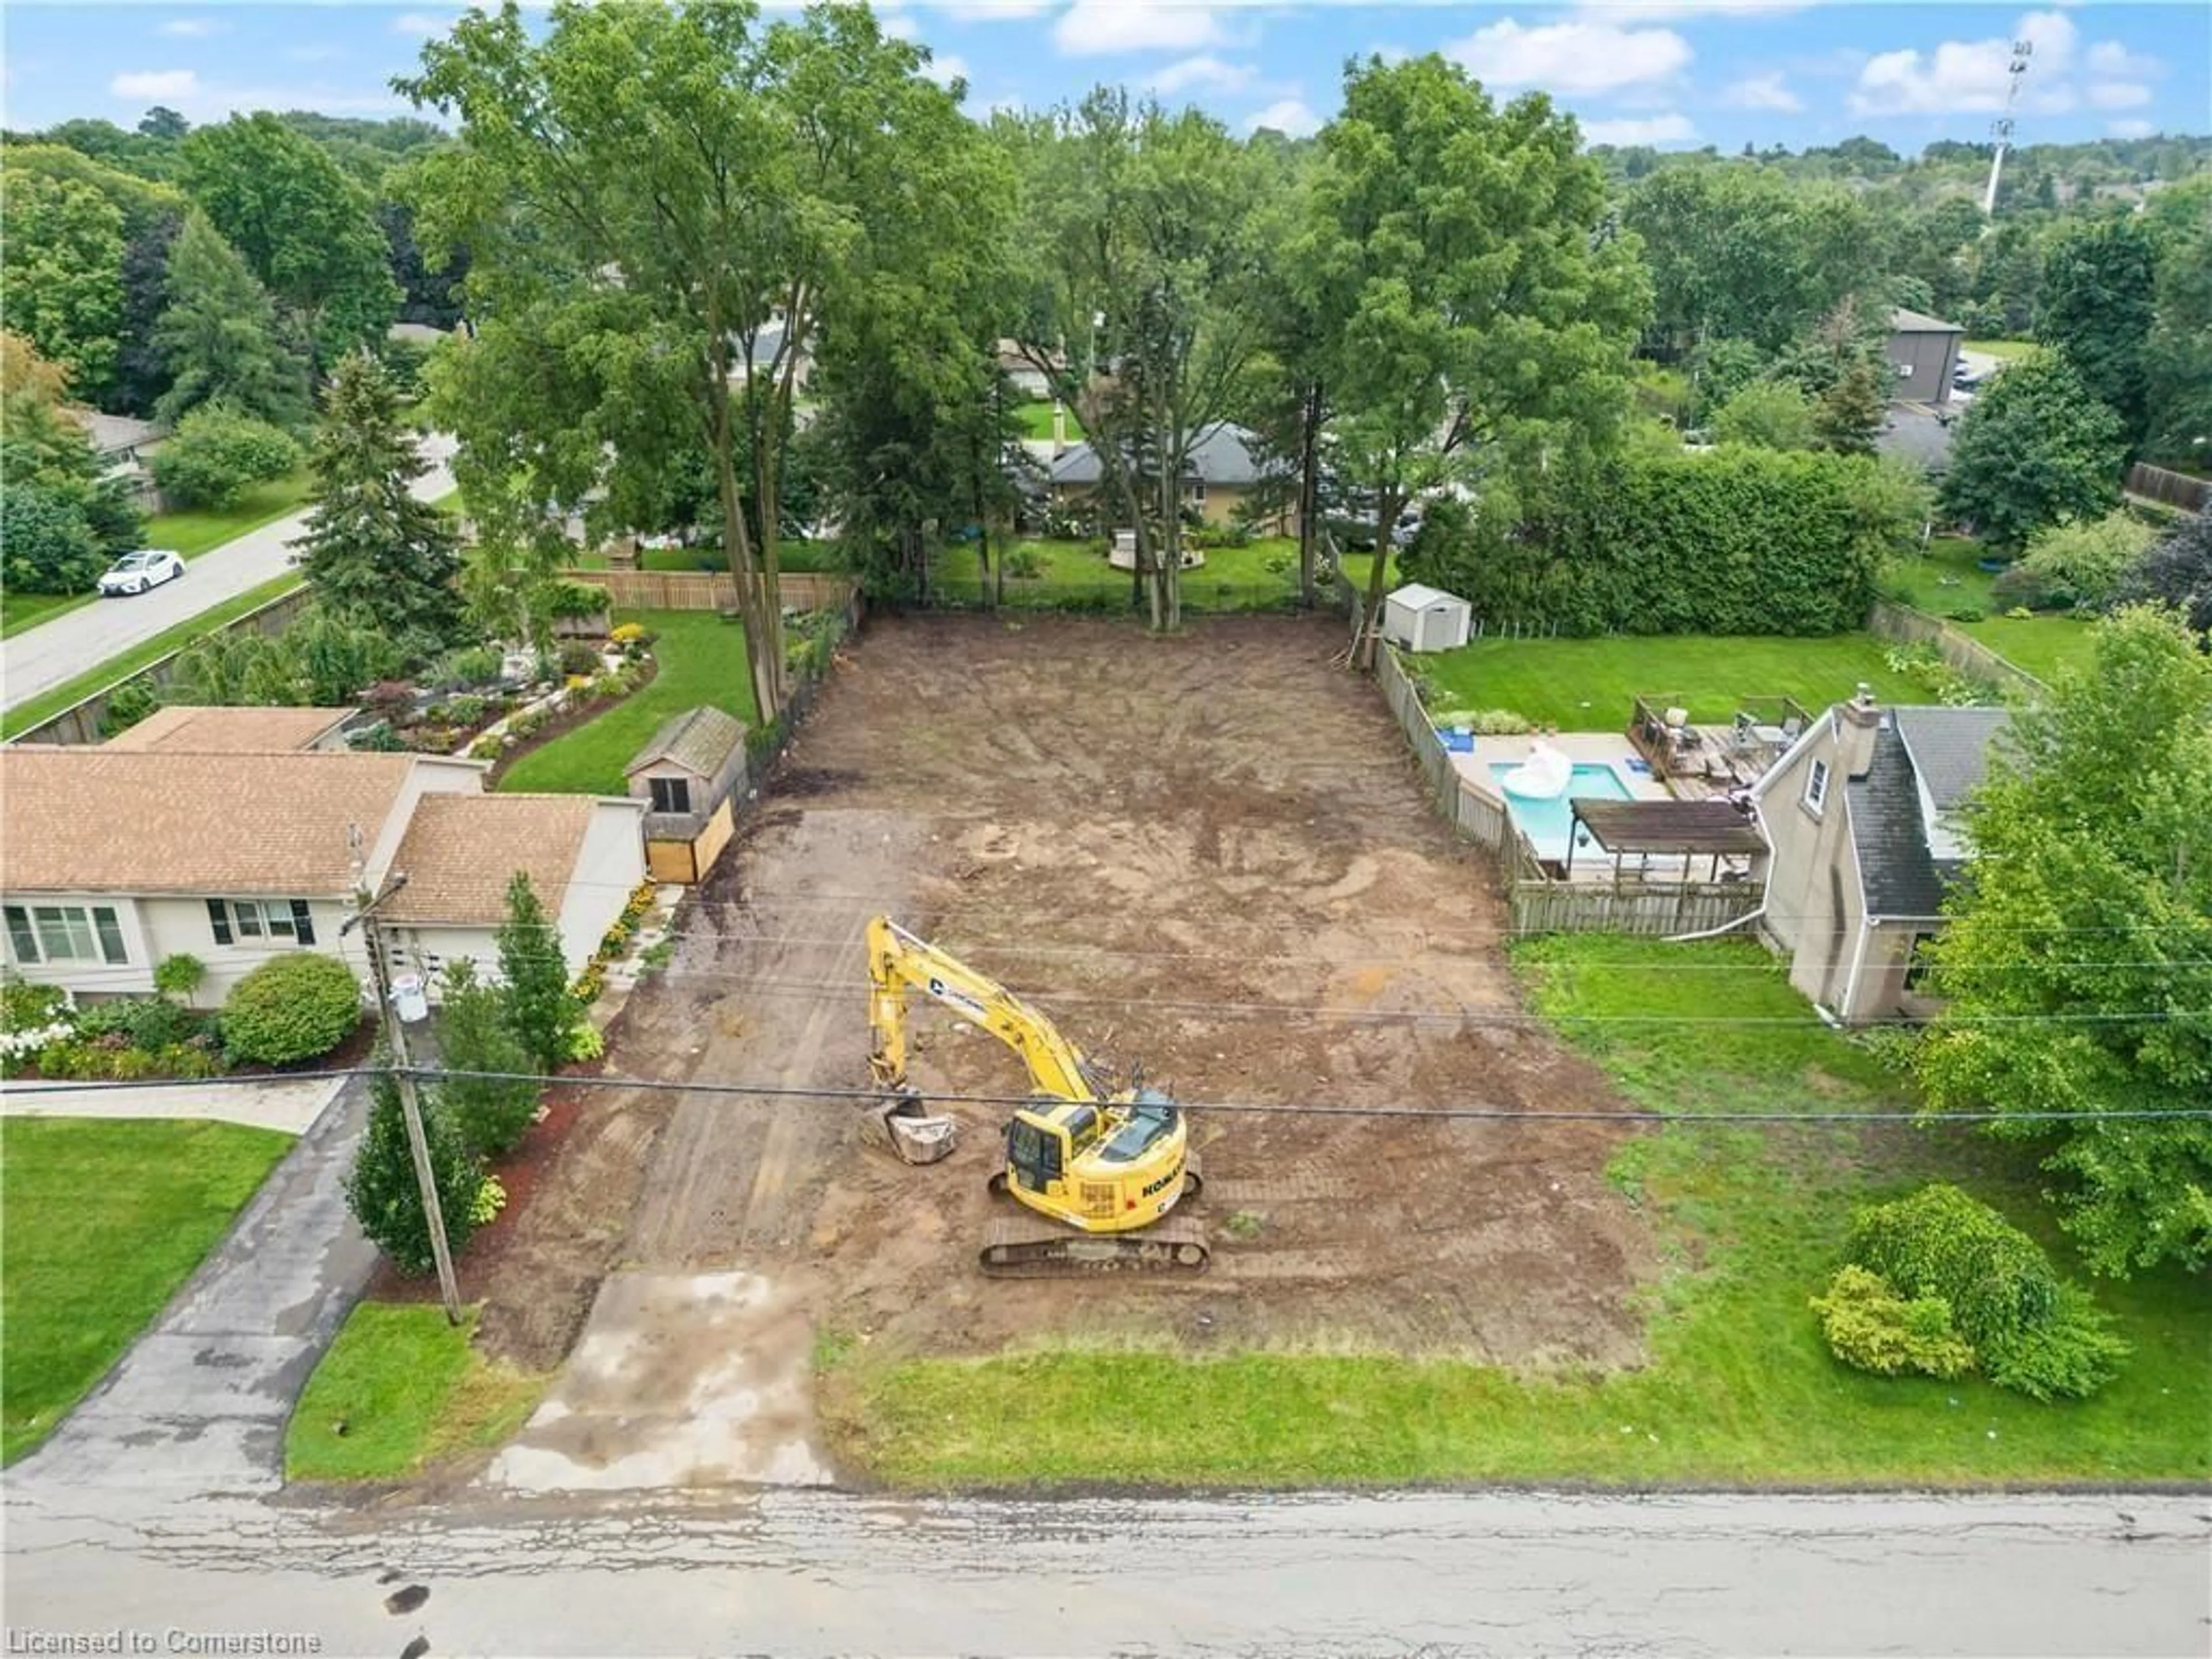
(1290, 117)
(946, 67)
(1203, 70)
(175, 85)
(1968, 77)
(423, 25)
(1651, 11)
(899, 27)
(1091, 28)
(2111, 58)
(992, 11)
(1768, 91)
(2129, 128)
(1569, 57)
(1641, 129)
(2119, 94)
(194, 26)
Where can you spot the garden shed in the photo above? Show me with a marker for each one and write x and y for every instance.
(1418, 618)
(689, 773)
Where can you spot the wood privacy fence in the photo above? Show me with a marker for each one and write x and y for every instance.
(710, 590)
(1892, 621)
(80, 723)
(2174, 489)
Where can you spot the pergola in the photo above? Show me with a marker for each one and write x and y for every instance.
(1685, 829)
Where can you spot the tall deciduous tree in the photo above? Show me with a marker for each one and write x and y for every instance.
(371, 549)
(1481, 311)
(658, 203)
(305, 230)
(2078, 960)
(141, 377)
(63, 518)
(61, 260)
(219, 340)
(2034, 448)
(2178, 362)
(2095, 310)
(2177, 571)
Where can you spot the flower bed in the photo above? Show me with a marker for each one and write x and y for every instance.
(44, 1034)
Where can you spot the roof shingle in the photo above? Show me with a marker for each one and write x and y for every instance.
(699, 740)
(460, 852)
(1896, 869)
(184, 730)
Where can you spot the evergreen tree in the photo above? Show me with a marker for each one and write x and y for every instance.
(219, 338)
(540, 1005)
(384, 1194)
(475, 1034)
(372, 552)
(1849, 414)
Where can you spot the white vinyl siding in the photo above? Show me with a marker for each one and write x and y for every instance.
(1816, 787)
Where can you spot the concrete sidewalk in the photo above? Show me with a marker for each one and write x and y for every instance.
(288, 1104)
(199, 1403)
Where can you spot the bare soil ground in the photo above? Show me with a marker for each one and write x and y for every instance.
(1208, 854)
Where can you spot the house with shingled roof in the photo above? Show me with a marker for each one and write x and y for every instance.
(1862, 814)
(233, 835)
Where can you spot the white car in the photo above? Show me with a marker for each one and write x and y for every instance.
(134, 573)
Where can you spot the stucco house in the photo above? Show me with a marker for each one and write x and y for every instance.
(1223, 468)
(1862, 816)
(224, 835)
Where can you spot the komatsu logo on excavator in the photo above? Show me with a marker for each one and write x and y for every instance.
(1164, 1181)
(944, 993)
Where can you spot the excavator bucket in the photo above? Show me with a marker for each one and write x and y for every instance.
(916, 1135)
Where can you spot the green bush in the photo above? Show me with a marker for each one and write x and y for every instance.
(217, 454)
(1869, 1326)
(2069, 1356)
(474, 1034)
(179, 975)
(291, 1008)
(129, 704)
(383, 1193)
(579, 659)
(143, 1022)
(574, 601)
(1022, 561)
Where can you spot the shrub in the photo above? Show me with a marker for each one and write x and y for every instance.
(179, 975)
(383, 1193)
(291, 1008)
(47, 545)
(141, 1022)
(575, 601)
(629, 633)
(2080, 563)
(379, 738)
(586, 1042)
(579, 659)
(1868, 1325)
(2069, 1356)
(478, 664)
(32, 1017)
(1022, 561)
(474, 1034)
(539, 1007)
(129, 704)
(217, 454)
(1965, 613)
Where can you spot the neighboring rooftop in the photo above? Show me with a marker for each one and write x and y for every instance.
(186, 730)
(1902, 321)
(1949, 748)
(1915, 432)
(1420, 595)
(460, 852)
(698, 740)
(1221, 453)
(114, 434)
(103, 821)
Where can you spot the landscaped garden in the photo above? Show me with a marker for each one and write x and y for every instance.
(1739, 1385)
(102, 1221)
(1947, 581)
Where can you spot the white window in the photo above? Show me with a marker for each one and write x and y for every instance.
(65, 932)
(1816, 787)
(263, 921)
(1905, 371)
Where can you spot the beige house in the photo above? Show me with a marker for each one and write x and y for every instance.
(1862, 816)
(1223, 469)
(220, 834)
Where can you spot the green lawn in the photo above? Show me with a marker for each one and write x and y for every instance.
(1036, 420)
(47, 706)
(2004, 350)
(1588, 685)
(407, 1390)
(188, 533)
(103, 1219)
(702, 661)
(1739, 1387)
(1948, 580)
(1359, 567)
(1074, 574)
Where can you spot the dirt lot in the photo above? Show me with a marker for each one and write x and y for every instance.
(1207, 854)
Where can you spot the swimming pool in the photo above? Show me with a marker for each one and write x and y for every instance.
(1546, 823)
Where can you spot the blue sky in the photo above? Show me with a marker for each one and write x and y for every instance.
(1670, 72)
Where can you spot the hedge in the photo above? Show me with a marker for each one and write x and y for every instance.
(291, 1008)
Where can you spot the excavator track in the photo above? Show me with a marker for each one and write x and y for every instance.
(1016, 1248)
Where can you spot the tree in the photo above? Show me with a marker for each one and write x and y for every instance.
(427, 294)
(372, 551)
(2078, 958)
(1849, 415)
(1481, 310)
(163, 123)
(2033, 449)
(1766, 415)
(658, 204)
(475, 1034)
(218, 340)
(540, 1007)
(305, 229)
(2077, 563)
(61, 260)
(2177, 361)
(2177, 571)
(60, 517)
(217, 454)
(2095, 309)
(141, 376)
(385, 1193)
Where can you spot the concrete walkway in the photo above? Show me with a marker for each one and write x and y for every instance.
(199, 1403)
(42, 657)
(281, 1103)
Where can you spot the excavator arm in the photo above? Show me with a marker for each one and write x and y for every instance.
(899, 963)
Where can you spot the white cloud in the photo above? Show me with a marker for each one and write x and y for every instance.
(946, 67)
(1290, 117)
(1768, 91)
(194, 26)
(899, 27)
(1090, 27)
(2119, 94)
(1641, 129)
(1203, 70)
(2130, 128)
(423, 24)
(1658, 10)
(1569, 57)
(992, 11)
(175, 85)
(2110, 58)
(1968, 77)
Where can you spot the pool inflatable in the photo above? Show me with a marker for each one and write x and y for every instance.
(1543, 776)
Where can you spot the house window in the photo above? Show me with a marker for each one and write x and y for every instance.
(263, 921)
(671, 794)
(1193, 491)
(66, 933)
(1905, 371)
(1816, 787)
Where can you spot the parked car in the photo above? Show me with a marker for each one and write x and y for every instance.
(134, 573)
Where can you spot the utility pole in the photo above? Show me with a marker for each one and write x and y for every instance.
(2001, 129)
(410, 1105)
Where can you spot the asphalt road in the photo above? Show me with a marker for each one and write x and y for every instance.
(42, 658)
(799, 1574)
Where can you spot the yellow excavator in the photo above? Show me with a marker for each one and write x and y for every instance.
(1106, 1165)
